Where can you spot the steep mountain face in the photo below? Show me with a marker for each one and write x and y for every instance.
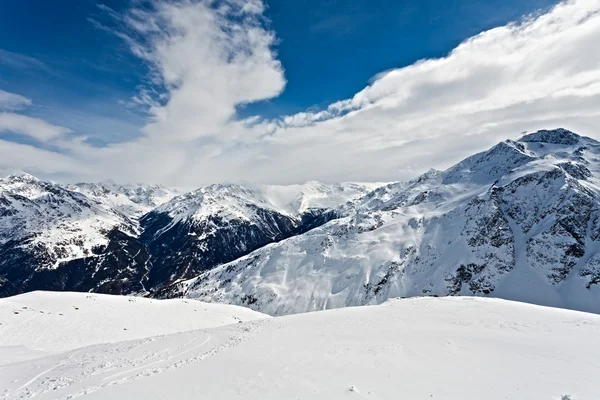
(131, 200)
(210, 226)
(117, 268)
(519, 221)
(44, 227)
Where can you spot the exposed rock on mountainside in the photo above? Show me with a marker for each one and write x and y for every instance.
(213, 225)
(43, 225)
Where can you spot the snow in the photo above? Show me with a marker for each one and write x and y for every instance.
(421, 348)
(59, 321)
(224, 201)
(45, 215)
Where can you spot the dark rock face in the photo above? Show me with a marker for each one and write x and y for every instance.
(555, 136)
(184, 249)
(313, 219)
(17, 263)
(464, 274)
(117, 268)
(45, 241)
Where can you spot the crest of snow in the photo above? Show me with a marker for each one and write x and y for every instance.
(226, 201)
(556, 136)
(53, 321)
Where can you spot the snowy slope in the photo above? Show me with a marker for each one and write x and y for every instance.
(131, 200)
(519, 221)
(52, 321)
(426, 348)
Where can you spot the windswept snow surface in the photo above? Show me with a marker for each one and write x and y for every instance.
(53, 321)
(422, 348)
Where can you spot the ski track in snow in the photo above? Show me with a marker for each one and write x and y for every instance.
(445, 348)
(77, 373)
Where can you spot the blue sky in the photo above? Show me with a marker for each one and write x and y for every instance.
(329, 50)
(310, 69)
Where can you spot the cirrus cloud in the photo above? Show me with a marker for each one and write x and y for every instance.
(29, 126)
(12, 101)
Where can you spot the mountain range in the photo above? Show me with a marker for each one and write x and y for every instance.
(136, 239)
(519, 221)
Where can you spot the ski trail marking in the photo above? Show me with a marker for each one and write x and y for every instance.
(35, 378)
(128, 371)
(38, 376)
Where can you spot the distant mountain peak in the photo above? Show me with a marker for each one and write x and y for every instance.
(130, 199)
(225, 189)
(554, 136)
(23, 177)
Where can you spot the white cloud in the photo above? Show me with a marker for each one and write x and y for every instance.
(12, 101)
(29, 126)
(541, 73)
(16, 157)
(209, 58)
(16, 60)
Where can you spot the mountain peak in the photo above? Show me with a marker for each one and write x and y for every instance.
(227, 188)
(21, 177)
(130, 199)
(555, 136)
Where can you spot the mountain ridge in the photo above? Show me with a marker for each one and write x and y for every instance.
(518, 221)
(141, 238)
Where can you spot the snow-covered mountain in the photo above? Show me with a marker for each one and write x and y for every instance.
(519, 221)
(45, 228)
(210, 226)
(131, 200)
(313, 195)
(98, 237)
(427, 348)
